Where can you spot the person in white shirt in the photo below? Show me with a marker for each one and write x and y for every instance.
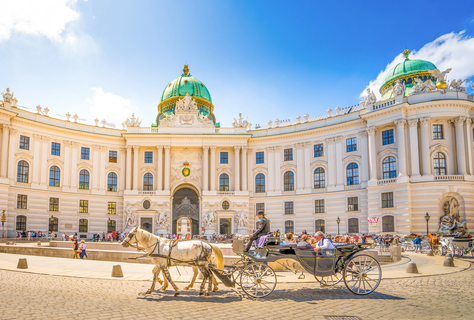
(322, 243)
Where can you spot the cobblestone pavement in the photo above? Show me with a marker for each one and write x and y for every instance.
(36, 296)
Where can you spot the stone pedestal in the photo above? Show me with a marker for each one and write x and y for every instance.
(208, 231)
(243, 230)
(162, 231)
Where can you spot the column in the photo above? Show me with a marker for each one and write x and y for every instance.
(307, 167)
(213, 168)
(67, 163)
(4, 157)
(44, 161)
(402, 162)
(74, 173)
(103, 161)
(159, 168)
(135, 167)
(244, 169)
(271, 168)
(415, 161)
(205, 168)
(11, 155)
(469, 145)
(365, 156)
(425, 145)
(128, 179)
(36, 158)
(277, 169)
(299, 167)
(95, 167)
(339, 168)
(122, 164)
(330, 180)
(167, 169)
(237, 168)
(372, 153)
(460, 147)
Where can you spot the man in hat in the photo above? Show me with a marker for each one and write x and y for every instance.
(263, 229)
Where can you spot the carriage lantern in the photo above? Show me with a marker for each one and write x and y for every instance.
(338, 221)
(427, 218)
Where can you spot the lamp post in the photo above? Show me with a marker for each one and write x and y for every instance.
(51, 219)
(338, 221)
(427, 218)
(4, 219)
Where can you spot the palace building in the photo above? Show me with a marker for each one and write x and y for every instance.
(380, 166)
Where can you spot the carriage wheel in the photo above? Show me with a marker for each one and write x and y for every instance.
(362, 274)
(330, 280)
(472, 252)
(258, 280)
(238, 267)
(458, 252)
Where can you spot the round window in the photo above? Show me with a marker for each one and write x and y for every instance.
(146, 204)
(225, 205)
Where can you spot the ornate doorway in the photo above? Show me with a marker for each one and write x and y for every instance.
(146, 224)
(185, 205)
(225, 226)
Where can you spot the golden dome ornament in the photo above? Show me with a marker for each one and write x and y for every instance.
(186, 171)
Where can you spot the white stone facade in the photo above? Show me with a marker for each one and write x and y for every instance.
(412, 141)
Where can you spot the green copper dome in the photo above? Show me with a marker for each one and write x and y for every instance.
(185, 84)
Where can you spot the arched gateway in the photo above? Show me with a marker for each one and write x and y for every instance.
(185, 212)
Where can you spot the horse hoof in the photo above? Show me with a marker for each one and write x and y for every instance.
(149, 292)
(176, 294)
(206, 294)
(186, 288)
(215, 290)
(201, 293)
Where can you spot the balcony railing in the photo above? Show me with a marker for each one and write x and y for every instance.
(352, 187)
(22, 185)
(319, 190)
(54, 188)
(288, 192)
(147, 193)
(225, 193)
(386, 181)
(458, 177)
(383, 104)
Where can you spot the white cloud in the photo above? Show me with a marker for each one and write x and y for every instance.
(43, 18)
(111, 107)
(451, 50)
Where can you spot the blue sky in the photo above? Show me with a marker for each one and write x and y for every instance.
(266, 59)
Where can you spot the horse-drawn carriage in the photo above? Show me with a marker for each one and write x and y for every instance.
(361, 272)
(455, 245)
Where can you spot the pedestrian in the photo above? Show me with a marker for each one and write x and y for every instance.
(64, 236)
(103, 236)
(417, 243)
(83, 249)
(75, 249)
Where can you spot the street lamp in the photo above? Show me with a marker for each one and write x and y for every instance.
(4, 219)
(51, 220)
(427, 218)
(338, 221)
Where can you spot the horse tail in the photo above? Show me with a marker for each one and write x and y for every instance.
(219, 257)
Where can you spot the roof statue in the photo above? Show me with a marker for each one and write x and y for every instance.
(186, 113)
(398, 88)
(422, 87)
(370, 98)
(472, 86)
(8, 97)
(186, 104)
(440, 77)
(240, 122)
(133, 122)
(456, 85)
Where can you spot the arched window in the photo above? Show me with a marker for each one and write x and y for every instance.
(289, 181)
(439, 162)
(388, 224)
(84, 180)
(53, 224)
(224, 182)
(260, 183)
(112, 182)
(352, 174)
(389, 165)
(21, 223)
(319, 178)
(289, 226)
(147, 182)
(54, 174)
(83, 225)
(111, 224)
(22, 172)
(353, 225)
(319, 225)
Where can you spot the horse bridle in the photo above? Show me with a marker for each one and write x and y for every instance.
(130, 239)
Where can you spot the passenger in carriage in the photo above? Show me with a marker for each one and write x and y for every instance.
(304, 244)
(322, 242)
(263, 229)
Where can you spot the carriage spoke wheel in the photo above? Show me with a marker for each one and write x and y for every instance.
(362, 274)
(237, 270)
(330, 280)
(258, 280)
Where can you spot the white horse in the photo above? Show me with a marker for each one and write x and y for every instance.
(195, 253)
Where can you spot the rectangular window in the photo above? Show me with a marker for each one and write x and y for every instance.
(289, 207)
(289, 226)
(53, 204)
(260, 157)
(112, 208)
(319, 206)
(387, 137)
(318, 150)
(224, 157)
(259, 207)
(288, 155)
(438, 132)
(55, 149)
(24, 143)
(21, 201)
(351, 144)
(148, 157)
(83, 206)
(85, 153)
(113, 156)
(353, 204)
(387, 200)
(83, 225)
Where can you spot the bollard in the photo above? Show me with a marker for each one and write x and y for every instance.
(411, 268)
(39, 243)
(430, 253)
(117, 271)
(22, 264)
(448, 262)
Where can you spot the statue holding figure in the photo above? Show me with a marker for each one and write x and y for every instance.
(370, 98)
(162, 219)
(398, 88)
(242, 219)
(209, 219)
(440, 77)
(450, 222)
(455, 85)
(131, 219)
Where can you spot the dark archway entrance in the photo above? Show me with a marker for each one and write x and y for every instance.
(185, 205)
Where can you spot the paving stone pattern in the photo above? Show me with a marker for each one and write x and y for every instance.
(37, 296)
